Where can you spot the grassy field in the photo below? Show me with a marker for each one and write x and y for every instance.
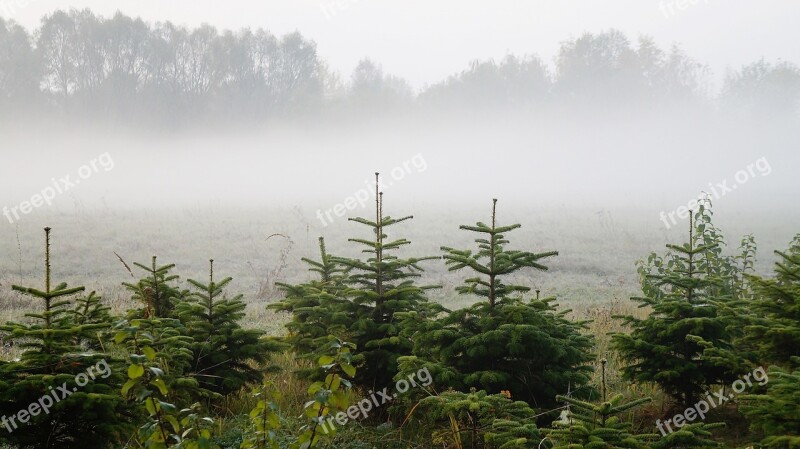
(595, 268)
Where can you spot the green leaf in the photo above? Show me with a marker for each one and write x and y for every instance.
(120, 336)
(128, 385)
(349, 369)
(149, 352)
(174, 422)
(135, 371)
(159, 383)
(167, 407)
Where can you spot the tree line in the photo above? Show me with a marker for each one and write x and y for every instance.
(79, 63)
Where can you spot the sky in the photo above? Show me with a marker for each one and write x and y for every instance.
(425, 41)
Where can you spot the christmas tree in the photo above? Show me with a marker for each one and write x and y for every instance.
(312, 305)
(776, 413)
(598, 425)
(379, 288)
(502, 342)
(685, 343)
(478, 420)
(225, 357)
(775, 323)
(774, 330)
(155, 291)
(60, 394)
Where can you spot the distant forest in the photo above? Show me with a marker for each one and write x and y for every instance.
(80, 64)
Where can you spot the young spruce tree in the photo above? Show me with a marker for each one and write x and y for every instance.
(775, 327)
(502, 342)
(609, 425)
(775, 332)
(477, 420)
(775, 415)
(155, 292)
(156, 324)
(49, 374)
(378, 288)
(318, 309)
(598, 425)
(225, 357)
(685, 343)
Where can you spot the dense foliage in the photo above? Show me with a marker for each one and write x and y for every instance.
(685, 344)
(503, 341)
(361, 300)
(46, 374)
(774, 331)
(225, 357)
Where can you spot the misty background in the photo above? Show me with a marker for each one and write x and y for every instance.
(220, 116)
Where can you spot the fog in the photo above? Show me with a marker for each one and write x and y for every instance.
(636, 162)
(150, 114)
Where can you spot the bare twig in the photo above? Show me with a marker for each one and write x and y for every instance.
(124, 264)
